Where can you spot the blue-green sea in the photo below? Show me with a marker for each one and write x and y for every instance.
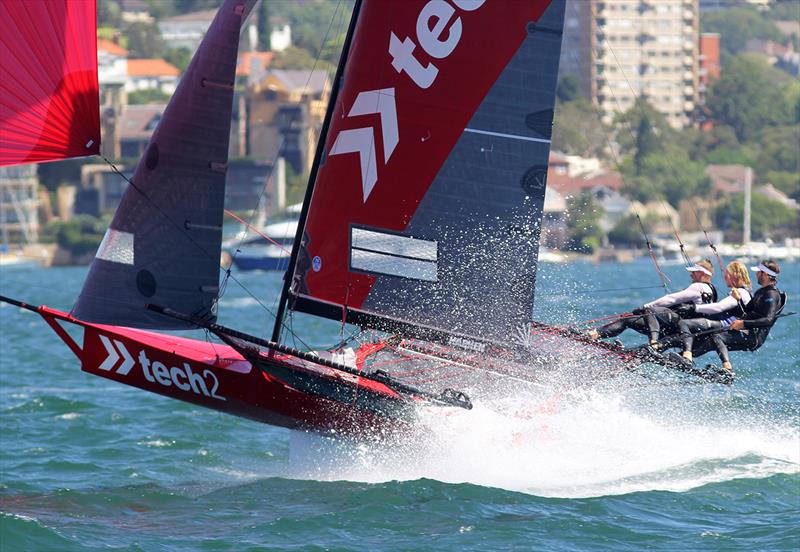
(642, 464)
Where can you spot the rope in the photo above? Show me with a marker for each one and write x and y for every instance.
(257, 231)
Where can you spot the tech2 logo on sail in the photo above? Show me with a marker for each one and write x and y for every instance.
(183, 377)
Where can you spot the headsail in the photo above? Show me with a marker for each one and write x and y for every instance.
(163, 245)
(427, 203)
(49, 98)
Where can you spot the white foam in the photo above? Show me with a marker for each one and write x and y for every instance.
(575, 444)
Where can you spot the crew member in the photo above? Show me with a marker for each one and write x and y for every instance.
(649, 318)
(715, 316)
(749, 332)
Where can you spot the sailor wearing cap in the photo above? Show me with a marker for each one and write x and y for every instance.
(749, 332)
(657, 314)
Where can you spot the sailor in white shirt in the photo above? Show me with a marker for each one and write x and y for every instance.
(652, 317)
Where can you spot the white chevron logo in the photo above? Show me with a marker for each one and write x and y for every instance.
(362, 140)
(113, 357)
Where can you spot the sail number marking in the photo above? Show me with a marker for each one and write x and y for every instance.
(181, 377)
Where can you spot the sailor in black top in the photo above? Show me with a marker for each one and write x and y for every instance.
(749, 332)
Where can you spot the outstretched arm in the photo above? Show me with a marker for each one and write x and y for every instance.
(691, 293)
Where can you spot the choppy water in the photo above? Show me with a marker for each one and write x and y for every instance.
(88, 464)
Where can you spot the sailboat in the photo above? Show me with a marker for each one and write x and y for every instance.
(420, 225)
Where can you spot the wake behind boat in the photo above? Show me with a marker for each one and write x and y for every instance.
(420, 226)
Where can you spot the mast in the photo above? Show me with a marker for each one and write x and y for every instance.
(748, 196)
(287, 280)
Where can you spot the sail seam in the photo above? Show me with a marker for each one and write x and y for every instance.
(504, 135)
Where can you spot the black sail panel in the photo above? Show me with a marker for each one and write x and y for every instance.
(427, 206)
(163, 245)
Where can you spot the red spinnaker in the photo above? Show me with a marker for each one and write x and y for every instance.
(49, 94)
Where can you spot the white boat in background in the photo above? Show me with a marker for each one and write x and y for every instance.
(547, 255)
(268, 249)
(788, 251)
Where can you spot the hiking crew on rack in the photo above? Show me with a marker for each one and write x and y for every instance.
(718, 315)
(652, 317)
(749, 332)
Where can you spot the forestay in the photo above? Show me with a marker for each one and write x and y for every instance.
(427, 203)
(163, 246)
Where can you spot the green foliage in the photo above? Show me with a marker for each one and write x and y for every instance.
(569, 88)
(749, 96)
(109, 14)
(670, 175)
(179, 57)
(646, 142)
(264, 28)
(767, 216)
(784, 10)
(779, 149)
(628, 124)
(298, 58)
(787, 182)
(152, 95)
(736, 26)
(80, 235)
(583, 231)
(627, 233)
(144, 40)
(318, 27)
(578, 130)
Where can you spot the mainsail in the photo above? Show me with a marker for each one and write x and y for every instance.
(163, 245)
(425, 210)
(49, 100)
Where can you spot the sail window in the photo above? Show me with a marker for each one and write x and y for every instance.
(146, 283)
(393, 255)
(116, 247)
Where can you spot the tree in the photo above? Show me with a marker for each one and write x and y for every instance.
(144, 40)
(569, 88)
(152, 95)
(179, 57)
(670, 175)
(583, 231)
(646, 142)
(779, 149)
(298, 58)
(578, 130)
(627, 233)
(264, 27)
(768, 217)
(628, 124)
(750, 96)
(736, 26)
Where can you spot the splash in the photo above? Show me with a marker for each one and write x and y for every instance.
(576, 444)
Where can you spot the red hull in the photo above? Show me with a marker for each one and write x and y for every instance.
(217, 376)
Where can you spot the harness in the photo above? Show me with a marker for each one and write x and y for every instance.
(707, 297)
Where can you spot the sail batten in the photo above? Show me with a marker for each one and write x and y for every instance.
(440, 135)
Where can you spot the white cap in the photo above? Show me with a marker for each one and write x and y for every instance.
(764, 269)
(698, 268)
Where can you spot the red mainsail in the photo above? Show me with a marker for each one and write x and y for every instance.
(49, 94)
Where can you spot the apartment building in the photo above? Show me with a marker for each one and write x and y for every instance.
(626, 49)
